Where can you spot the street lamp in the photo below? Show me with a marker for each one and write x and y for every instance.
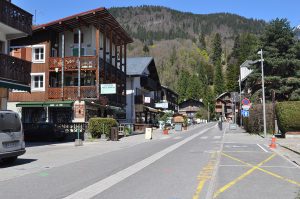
(263, 90)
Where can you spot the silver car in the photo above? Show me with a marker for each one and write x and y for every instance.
(12, 142)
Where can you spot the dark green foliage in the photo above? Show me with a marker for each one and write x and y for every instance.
(217, 50)
(219, 80)
(183, 85)
(288, 115)
(98, 126)
(146, 49)
(281, 62)
(232, 75)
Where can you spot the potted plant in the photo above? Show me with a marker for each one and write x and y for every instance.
(164, 118)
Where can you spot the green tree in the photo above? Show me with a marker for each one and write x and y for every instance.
(183, 85)
(146, 49)
(281, 62)
(217, 50)
(219, 81)
(194, 88)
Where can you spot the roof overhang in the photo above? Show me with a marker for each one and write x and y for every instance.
(13, 85)
(56, 104)
(99, 17)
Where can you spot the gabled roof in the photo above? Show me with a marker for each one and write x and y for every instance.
(99, 17)
(137, 65)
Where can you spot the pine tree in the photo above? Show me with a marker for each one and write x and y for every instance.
(183, 85)
(217, 50)
(219, 81)
(281, 62)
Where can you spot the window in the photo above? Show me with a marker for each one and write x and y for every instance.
(76, 38)
(38, 81)
(38, 54)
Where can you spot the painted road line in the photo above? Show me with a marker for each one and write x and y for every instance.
(243, 152)
(262, 148)
(240, 165)
(236, 180)
(217, 137)
(205, 174)
(204, 137)
(102, 185)
(211, 185)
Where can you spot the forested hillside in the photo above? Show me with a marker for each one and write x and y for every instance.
(191, 51)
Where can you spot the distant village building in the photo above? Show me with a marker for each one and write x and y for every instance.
(190, 107)
(14, 72)
(78, 69)
(169, 100)
(225, 105)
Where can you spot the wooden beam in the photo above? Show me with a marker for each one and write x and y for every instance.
(82, 21)
(66, 27)
(97, 60)
(110, 47)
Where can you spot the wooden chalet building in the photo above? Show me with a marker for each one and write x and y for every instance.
(14, 73)
(143, 88)
(169, 100)
(190, 107)
(78, 69)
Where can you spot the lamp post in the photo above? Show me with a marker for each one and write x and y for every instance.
(208, 112)
(263, 90)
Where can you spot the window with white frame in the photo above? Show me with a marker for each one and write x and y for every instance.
(38, 54)
(37, 81)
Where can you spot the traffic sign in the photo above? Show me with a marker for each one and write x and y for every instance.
(245, 113)
(246, 107)
(246, 101)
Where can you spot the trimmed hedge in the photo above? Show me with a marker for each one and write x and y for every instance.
(98, 126)
(288, 116)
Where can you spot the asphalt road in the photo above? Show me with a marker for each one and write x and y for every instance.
(199, 163)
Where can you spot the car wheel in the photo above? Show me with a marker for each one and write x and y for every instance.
(9, 160)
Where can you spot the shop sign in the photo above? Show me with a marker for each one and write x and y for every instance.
(108, 88)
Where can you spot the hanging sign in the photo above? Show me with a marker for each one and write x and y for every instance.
(108, 88)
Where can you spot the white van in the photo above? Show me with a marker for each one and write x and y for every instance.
(12, 142)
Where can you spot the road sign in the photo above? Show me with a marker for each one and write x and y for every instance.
(245, 113)
(246, 101)
(246, 107)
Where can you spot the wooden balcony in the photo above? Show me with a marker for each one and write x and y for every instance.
(71, 63)
(14, 69)
(15, 17)
(149, 84)
(71, 92)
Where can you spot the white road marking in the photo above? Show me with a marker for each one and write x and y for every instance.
(217, 137)
(262, 148)
(203, 138)
(102, 185)
(163, 138)
(177, 138)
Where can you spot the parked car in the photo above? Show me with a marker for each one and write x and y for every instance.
(12, 142)
(44, 132)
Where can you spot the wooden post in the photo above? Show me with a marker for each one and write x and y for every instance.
(79, 68)
(97, 61)
(63, 64)
(104, 55)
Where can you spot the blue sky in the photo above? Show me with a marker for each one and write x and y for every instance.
(49, 10)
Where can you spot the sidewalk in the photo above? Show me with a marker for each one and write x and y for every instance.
(287, 147)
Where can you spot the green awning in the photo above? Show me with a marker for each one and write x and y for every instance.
(12, 85)
(56, 104)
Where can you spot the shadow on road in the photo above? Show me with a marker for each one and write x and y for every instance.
(19, 161)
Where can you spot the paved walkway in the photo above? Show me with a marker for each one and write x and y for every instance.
(286, 147)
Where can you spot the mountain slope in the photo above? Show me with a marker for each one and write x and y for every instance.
(176, 39)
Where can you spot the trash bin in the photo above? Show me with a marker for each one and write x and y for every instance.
(114, 134)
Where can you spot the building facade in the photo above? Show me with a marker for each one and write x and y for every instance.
(190, 107)
(78, 69)
(14, 73)
(169, 100)
(142, 90)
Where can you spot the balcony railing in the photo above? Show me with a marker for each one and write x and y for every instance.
(15, 17)
(71, 63)
(14, 69)
(149, 83)
(71, 92)
(140, 99)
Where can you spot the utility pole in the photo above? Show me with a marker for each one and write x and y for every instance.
(208, 112)
(263, 91)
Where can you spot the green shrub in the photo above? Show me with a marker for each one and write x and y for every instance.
(254, 123)
(98, 126)
(288, 116)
